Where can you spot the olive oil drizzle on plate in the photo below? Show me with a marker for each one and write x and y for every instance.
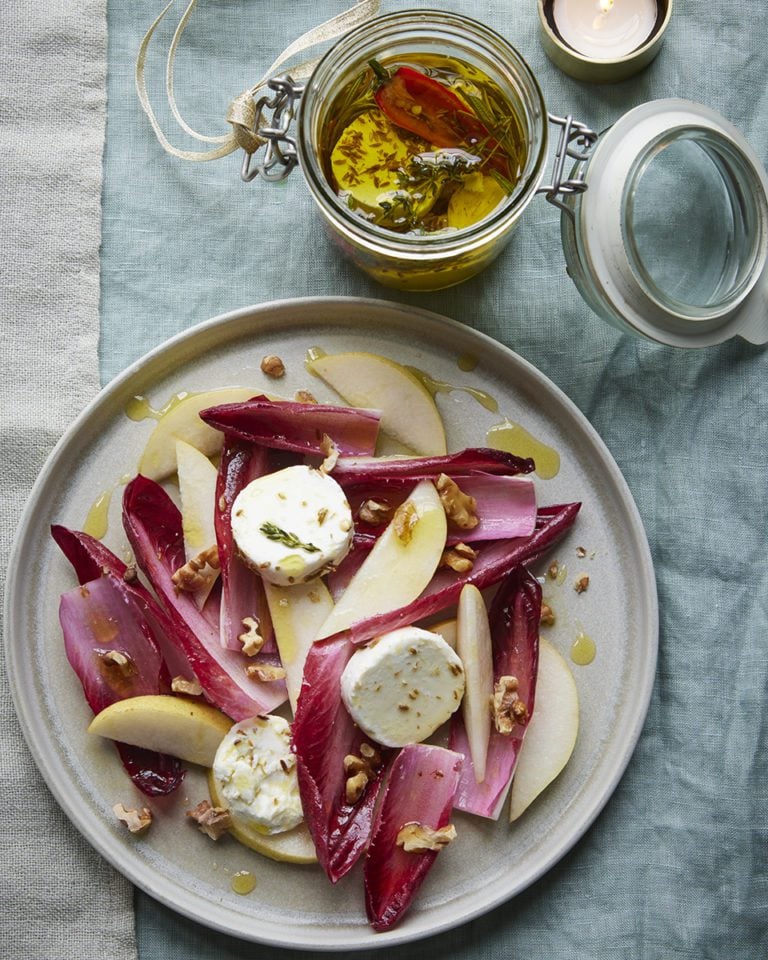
(511, 437)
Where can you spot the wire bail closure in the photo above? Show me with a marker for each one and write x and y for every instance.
(576, 141)
(280, 156)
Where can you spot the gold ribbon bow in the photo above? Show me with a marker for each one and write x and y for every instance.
(241, 113)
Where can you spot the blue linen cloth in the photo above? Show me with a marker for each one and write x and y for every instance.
(675, 866)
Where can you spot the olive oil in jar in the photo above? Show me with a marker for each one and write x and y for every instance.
(426, 146)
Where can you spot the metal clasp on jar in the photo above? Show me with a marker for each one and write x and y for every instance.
(576, 141)
(280, 156)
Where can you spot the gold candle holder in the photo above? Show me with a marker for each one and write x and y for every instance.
(585, 64)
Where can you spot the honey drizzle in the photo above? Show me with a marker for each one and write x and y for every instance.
(512, 438)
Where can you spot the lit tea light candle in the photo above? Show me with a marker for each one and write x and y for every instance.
(605, 29)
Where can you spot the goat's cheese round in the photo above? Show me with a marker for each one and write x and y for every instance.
(256, 774)
(402, 686)
(292, 525)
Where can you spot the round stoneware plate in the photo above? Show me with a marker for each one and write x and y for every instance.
(295, 906)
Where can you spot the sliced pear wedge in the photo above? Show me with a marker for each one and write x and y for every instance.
(551, 734)
(179, 727)
(293, 846)
(197, 487)
(182, 422)
(408, 412)
(473, 645)
(297, 614)
(399, 566)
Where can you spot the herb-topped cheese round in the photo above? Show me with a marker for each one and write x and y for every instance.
(402, 686)
(292, 525)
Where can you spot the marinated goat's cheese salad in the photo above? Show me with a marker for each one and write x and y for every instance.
(312, 614)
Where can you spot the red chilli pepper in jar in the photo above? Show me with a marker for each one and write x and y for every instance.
(423, 106)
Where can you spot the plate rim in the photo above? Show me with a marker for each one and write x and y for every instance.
(54, 773)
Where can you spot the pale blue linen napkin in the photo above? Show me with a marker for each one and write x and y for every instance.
(675, 865)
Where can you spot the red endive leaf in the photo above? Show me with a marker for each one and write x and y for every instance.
(419, 788)
(284, 425)
(323, 734)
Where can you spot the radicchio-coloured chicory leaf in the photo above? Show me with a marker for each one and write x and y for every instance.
(285, 425)
(90, 559)
(514, 620)
(494, 560)
(153, 525)
(350, 470)
(323, 735)
(242, 593)
(505, 506)
(114, 654)
(419, 789)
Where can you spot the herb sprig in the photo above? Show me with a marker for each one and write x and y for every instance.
(272, 532)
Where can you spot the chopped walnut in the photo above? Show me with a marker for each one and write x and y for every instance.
(581, 552)
(547, 618)
(131, 573)
(304, 396)
(213, 821)
(553, 570)
(507, 707)
(199, 572)
(265, 672)
(119, 662)
(250, 638)
(191, 687)
(419, 838)
(331, 452)
(137, 821)
(581, 584)
(460, 557)
(375, 512)
(360, 770)
(273, 366)
(405, 519)
(459, 507)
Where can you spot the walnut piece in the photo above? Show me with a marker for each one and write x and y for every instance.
(191, 687)
(131, 574)
(581, 584)
(507, 707)
(273, 366)
(419, 838)
(304, 396)
(553, 570)
(250, 638)
(460, 557)
(360, 770)
(581, 552)
(547, 618)
(265, 672)
(199, 572)
(331, 452)
(375, 512)
(459, 507)
(405, 519)
(137, 821)
(118, 662)
(213, 821)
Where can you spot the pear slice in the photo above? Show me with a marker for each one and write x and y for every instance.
(197, 487)
(182, 422)
(297, 614)
(408, 412)
(473, 645)
(293, 846)
(181, 728)
(447, 630)
(551, 734)
(399, 566)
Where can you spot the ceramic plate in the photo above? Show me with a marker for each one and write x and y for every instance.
(490, 862)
